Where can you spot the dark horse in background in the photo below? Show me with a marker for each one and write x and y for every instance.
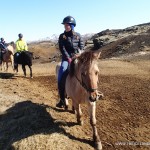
(24, 58)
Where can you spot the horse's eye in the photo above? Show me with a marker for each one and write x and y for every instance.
(96, 73)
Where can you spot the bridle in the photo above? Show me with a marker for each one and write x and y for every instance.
(84, 85)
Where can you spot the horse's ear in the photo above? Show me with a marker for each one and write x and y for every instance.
(96, 55)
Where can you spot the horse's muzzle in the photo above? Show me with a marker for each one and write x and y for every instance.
(97, 95)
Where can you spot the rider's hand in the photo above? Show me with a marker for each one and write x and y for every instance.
(69, 60)
(75, 56)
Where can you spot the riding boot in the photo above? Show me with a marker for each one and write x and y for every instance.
(61, 88)
(60, 104)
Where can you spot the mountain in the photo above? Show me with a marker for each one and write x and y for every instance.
(54, 37)
(121, 41)
(134, 40)
(87, 36)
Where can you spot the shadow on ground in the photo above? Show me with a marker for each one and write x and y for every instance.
(25, 119)
(6, 76)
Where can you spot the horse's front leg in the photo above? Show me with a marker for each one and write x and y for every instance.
(24, 70)
(79, 114)
(16, 68)
(92, 109)
(1, 66)
(6, 66)
(12, 64)
(30, 72)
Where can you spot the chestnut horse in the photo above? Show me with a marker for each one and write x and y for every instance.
(8, 57)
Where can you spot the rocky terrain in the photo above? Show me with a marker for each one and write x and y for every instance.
(114, 43)
(118, 43)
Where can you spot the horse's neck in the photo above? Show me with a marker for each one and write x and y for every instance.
(77, 70)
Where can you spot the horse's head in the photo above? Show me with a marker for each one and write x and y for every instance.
(86, 71)
(12, 44)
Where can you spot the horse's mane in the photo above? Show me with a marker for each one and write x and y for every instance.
(86, 58)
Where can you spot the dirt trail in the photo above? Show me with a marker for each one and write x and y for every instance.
(29, 119)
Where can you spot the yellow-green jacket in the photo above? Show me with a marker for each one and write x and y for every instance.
(21, 45)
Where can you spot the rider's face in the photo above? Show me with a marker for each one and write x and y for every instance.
(67, 27)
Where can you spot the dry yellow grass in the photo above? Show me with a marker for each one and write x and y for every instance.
(43, 49)
(139, 69)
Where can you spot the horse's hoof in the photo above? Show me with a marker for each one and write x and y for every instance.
(31, 77)
(98, 146)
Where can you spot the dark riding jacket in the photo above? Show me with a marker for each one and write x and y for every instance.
(3, 47)
(70, 43)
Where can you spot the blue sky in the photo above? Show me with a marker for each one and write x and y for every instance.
(38, 19)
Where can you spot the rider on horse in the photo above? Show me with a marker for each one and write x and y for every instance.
(3, 48)
(21, 46)
(70, 44)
